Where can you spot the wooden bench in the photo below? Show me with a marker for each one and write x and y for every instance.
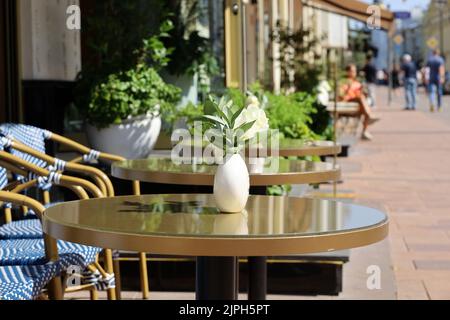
(347, 123)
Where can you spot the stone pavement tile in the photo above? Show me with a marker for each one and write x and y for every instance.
(405, 169)
(404, 207)
(400, 265)
(437, 247)
(415, 220)
(417, 236)
(411, 290)
(421, 255)
(438, 289)
(397, 244)
(423, 274)
(441, 213)
(432, 264)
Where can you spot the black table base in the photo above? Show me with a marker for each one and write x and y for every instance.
(257, 278)
(217, 278)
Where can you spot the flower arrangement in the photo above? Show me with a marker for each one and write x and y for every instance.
(231, 127)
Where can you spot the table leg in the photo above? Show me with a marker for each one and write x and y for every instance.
(257, 278)
(216, 278)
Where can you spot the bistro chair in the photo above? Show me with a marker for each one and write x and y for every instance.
(19, 237)
(26, 282)
(35, 138)
(31, 229)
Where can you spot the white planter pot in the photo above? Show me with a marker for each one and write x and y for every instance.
(255, 165)
(231, 185)
(132, 139)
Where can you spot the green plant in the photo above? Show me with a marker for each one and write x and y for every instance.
(301, 64)
(232, 126)
(117, 54)
(153, 52)
(279, 190)
(291, 114)
(135, 92)
(192, 53)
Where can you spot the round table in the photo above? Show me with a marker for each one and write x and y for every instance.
(285, 171)
(191, 225)
(294, 148)
(164, 170)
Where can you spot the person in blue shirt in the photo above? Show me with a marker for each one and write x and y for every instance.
(436, 66)
(410, 80)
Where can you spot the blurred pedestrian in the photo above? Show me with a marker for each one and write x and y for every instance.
(370, 75)
(409, 71)
(395, 74)
(436, 67)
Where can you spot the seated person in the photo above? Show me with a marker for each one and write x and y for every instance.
(351, 90)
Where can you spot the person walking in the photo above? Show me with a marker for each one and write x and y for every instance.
(395, 75)
(370, 75)
(409, 71)
(436, 67)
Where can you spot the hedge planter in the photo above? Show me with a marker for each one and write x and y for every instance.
(134, 138)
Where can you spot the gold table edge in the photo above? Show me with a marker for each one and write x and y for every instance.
(218, 246)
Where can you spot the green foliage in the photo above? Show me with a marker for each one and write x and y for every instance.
(296, 116)
(125, 58)
(282, 190)
(188, 112)
(236, 96)
(135, 92)
(153, 33)
(321, 121)
(190, 49)
(291, 114)
(192, 53)
(298, 55)
(153, 52)
(116, 29)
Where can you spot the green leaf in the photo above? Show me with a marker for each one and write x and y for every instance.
(222, 115)
(235, 116)
(246, 126)
(214, 119)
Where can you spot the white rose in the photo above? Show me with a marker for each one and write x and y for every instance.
(252, 100)
(250, 114)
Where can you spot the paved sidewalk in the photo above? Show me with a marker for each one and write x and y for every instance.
(406, 169)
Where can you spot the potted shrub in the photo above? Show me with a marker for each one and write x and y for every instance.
(124, 113)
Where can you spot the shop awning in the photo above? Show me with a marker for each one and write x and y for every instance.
(353, 9)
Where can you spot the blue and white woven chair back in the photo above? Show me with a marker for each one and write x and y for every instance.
(3, 178)
(28, 135)
(3, 172)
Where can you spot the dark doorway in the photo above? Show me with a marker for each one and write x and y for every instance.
(10, 99)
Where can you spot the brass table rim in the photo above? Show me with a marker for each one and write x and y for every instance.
(310, 148)
(218, 246)
(207, 179)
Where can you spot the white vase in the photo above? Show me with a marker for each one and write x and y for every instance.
(231, 185)
(133, 139)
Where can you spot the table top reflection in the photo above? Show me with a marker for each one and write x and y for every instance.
(290, 148)
(273, 171)
(302, 148)
(192, 225)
